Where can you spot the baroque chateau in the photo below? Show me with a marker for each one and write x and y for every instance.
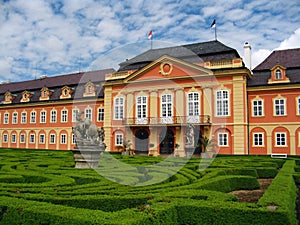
(155, 98)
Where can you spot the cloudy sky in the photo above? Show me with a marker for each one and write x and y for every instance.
(53, 37)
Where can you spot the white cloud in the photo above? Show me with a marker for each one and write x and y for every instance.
(291, 42)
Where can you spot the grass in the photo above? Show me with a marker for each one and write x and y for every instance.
(43, 187)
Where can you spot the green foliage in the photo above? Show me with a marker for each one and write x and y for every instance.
(43, 187)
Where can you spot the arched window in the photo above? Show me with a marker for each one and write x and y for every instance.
(278, 75)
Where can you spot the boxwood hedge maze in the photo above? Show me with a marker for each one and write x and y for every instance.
(43, 187)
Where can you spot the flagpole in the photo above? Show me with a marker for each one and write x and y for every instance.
(151, 42)
(216, 32)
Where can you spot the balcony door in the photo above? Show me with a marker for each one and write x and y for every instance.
(166, 109)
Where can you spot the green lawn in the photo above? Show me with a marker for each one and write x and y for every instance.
(43, 187)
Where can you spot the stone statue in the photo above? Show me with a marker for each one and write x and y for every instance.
(190, 135)
(87, 133)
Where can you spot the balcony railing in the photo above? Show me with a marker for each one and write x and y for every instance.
(172, 120)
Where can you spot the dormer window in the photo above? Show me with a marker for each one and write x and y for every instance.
(45, 93)
(278, 75)
(89, 89)
(8, 98)
(26, 95)
(66, 92)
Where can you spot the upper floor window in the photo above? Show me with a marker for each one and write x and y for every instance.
(193, 104)
(166, 105)
(100, 114)
(43, 117)
(278, 74)
(119, 108)
(33, 117)
(88, 113)
(53, 116)
(279, 107)
(6, 118)
(74, 114)
(66, 92)
(26, 95)
(15, 118)
(257, 108)
(45, 93)
(23, 117)
(298, 106)
(141, 107)
(222, 103)
(89, 89)
(8, 97)
(64, 116)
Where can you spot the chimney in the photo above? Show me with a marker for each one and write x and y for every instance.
(247, 55)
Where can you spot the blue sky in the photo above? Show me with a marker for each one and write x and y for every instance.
(52, 37)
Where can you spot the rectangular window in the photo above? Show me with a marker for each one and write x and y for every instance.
(63, 139)
(5, 138)
(119, 139)
(64, 116)
(280, 139)
(42, 138)
(258, 139)
(23, 117)
(15, 118)
(298, 106)
(74, 115)
(5, 118)
(73, 139)
(141, 107)
(43, 117)
(279, 107)
(222, 103)
(32, 138)
(100, 114)
(193, 104)
(22, 138)
(166, 108)
(119, 108)
(52, 139)
(32, 117)
(53, 116)
(88, 113)
(223, 139)
(257, 107)
(13, 138)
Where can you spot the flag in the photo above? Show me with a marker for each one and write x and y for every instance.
(213, 25)
(150, 35)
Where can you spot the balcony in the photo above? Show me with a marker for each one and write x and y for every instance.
(172, 121)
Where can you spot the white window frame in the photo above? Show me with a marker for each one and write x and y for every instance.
(14, 118)
(298, 106)
(279, 107)
(88, 113)
(73, 139)
(13, 138)
(64, 116)
(63, 139)
(166, 111)
(5, 138)
(53, 116)
(223, 140)
(278, 74)
(31, 138)
(193, 107)
(257, 109)
(74, 115)
(42, 140)
(119, 138)
(100, 117)
(52, 139)
(141, 109)
(33, 117)
(222, 103)
(43, 116)
(6, 118)
(280, 139)
(23, 117)
(258, 139)
(22, 138)
(119, 108)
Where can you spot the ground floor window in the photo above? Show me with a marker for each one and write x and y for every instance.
(32, 138)
(223, 139)
(22, 138)
(63, 139)
(258, 139)
(13, 138)
(280, 139)
(52, 138)
(119, 139)
(42, 138)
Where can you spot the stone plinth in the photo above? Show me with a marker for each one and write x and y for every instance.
(87, 156)
(189, 151)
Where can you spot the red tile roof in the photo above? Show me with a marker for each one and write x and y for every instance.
(289, 58)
